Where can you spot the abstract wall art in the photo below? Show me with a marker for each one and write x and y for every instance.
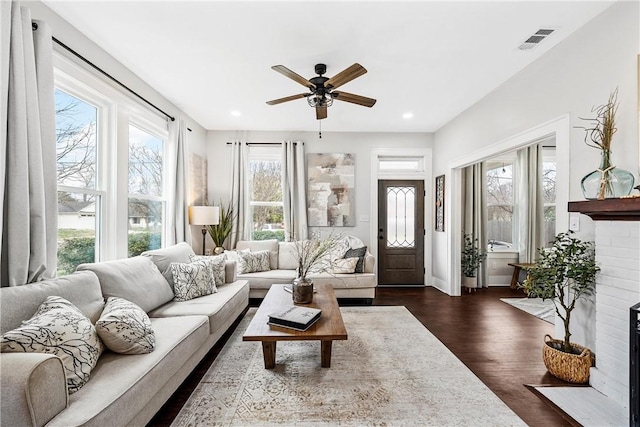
(331, 190)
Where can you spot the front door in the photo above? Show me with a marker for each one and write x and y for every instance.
(401, 232)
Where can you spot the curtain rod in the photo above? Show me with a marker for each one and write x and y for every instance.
(70, 50)
(264, 143)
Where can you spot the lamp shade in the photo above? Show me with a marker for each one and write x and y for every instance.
(204, 215)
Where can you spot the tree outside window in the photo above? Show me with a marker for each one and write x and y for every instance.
(500, 200)
(265, 194)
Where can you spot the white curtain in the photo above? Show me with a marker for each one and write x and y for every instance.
(530, 202)
(238, 193)
(178, 211)
(474, 212)
(294, 190)
(29, 203)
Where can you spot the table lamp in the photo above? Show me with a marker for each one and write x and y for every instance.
(204, 215)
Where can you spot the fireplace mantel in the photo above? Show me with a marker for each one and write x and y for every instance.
(627, 209)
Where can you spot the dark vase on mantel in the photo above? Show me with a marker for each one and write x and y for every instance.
(607, 181)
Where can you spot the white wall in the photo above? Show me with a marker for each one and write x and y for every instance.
(570, 79)
(359, 143)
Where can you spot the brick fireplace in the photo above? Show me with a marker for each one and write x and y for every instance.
(617, 289)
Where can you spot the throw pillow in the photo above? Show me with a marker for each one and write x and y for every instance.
(192, 280)
(359, 253)
(216, 265)
(59, 328)
(344, 265)
(253, 262)
(125, 328)
(234, 255)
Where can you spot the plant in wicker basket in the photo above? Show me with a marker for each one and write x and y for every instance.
(565, 272)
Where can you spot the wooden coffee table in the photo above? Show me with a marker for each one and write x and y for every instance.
(328, 328)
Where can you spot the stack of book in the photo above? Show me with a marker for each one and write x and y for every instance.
(295, 317)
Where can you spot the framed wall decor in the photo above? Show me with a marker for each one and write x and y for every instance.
(440, 203)
(330, 190)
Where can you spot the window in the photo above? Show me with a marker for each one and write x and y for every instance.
(549, 194)
(146, 191)
(111, 169)
(401, 164)
(265, 193)
(79, 194)
(500, 201)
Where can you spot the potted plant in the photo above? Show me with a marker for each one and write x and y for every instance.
(564, 272)
(471, 259)
(222, 230)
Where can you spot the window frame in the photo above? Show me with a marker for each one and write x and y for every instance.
(268, 153)
(116, 110)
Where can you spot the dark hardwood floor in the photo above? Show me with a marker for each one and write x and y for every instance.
(500, 344)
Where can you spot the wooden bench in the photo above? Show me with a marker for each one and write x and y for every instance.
(517, 267)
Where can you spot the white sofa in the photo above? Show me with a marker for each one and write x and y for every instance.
(122, 389)
(360, 286)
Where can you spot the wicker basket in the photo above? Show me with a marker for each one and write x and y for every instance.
(573, 368)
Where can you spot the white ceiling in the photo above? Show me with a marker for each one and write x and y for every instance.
(431, 58)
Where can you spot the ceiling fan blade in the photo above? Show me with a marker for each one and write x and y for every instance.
(354, 99)
(345, 76)
(321, 112)
(293, 76)
(286, 98)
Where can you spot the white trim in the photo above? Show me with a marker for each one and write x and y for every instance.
(561, 128)
(425, 155)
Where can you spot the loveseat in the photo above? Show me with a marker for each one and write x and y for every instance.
(122, 389)
(283, 265)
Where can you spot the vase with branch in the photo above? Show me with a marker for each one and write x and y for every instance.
(313, 256)
(607, 181)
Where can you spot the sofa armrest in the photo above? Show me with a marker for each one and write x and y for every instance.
(230, 272)
(33, 388)
(369, 263)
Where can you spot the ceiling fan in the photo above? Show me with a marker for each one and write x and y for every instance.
(322, 91)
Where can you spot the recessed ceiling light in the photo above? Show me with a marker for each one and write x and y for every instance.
(407, 116)
(236, 113)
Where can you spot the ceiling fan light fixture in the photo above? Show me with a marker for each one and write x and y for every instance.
(316, 100)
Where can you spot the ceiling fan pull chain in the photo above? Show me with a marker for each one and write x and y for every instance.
(320, 131)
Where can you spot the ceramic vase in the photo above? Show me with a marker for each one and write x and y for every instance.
(607, 181)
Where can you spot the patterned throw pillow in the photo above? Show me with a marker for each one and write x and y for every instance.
(344, 265)
(360, 253)
(217, 266)
(59, 328)
(253, 262)
(125, 328)
(192, 280)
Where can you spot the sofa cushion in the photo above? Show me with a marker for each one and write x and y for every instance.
(121, 386)
(287, 256)
(359, 253)
(125, 328)
(82, 289)
(59, 328)
(251, 262)
(217, 265)
(264, 279)
(163, 258)
(135, 279)
(344, 265)
(192, 280)
(218, 307)
(261, 245)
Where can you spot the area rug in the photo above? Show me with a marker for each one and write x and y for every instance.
(390, 372)
(542, 309)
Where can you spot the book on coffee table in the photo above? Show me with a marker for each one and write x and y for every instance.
(294, 317)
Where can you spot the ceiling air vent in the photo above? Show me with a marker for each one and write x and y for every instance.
(535, 39)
